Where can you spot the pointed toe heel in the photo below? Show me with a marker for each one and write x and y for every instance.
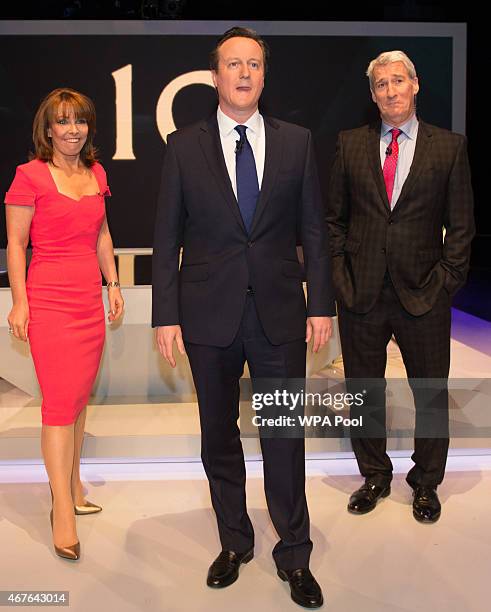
(87, 508)
(72, 552)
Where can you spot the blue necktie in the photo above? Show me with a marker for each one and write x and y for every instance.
(247, 183)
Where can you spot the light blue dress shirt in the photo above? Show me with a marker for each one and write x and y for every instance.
(407, 146)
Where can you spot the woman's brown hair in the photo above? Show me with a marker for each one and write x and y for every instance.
(63, 100)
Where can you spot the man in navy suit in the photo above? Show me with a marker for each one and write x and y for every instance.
(237, 191)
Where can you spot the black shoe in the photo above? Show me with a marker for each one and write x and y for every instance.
(366, 497)
(304, 588)
(225, 569)
(426, 505)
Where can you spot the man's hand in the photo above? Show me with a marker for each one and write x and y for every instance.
(165, 337)
(320, 329)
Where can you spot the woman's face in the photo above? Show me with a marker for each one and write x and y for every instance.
(68, 134)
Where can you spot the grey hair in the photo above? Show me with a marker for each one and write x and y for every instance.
(387, 57)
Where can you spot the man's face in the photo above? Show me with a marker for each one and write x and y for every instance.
(239, 78)
(393, 92)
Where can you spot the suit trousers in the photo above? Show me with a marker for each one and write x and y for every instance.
(424, 342)
(216, 373)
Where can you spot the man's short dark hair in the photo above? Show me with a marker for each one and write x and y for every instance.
(243, 33)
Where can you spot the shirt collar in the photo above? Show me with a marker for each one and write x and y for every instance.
(409, 129)
(226, 125)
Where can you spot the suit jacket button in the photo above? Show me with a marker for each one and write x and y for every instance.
(250, 243)
(383, 250)
(391, 221)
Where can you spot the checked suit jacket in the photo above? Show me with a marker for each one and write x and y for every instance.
(367, 238)
(198, 210)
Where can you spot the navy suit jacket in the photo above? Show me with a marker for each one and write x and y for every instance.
(198, 211)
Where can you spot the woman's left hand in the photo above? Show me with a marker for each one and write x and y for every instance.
(116, 304)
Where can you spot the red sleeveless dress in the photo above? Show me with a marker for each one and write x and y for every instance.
(64, 290)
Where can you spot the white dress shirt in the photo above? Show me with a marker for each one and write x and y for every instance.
(255, 136)
(407, 146)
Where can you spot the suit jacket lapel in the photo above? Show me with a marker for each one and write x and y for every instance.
(272, 162)
(423, 145)
(373, 155)
(212, 149)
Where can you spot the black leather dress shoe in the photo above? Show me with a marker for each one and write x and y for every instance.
(225, 569)
(426, 505)
(304, 588)
(366, 497)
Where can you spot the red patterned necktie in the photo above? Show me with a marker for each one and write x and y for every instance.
(390, 164)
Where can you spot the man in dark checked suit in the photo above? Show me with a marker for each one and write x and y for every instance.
(394, 186)
(236, 192)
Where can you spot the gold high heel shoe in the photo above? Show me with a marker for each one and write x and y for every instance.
(87, 508)
(66, 552)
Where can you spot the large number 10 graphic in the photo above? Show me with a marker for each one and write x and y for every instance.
(163, 112)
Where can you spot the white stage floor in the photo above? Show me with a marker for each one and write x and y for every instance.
(151, 546)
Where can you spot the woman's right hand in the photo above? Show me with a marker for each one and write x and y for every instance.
(19, 321)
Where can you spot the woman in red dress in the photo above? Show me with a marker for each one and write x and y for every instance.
(57, 200)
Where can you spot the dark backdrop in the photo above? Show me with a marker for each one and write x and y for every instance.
(317, 82)
(476, 297)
